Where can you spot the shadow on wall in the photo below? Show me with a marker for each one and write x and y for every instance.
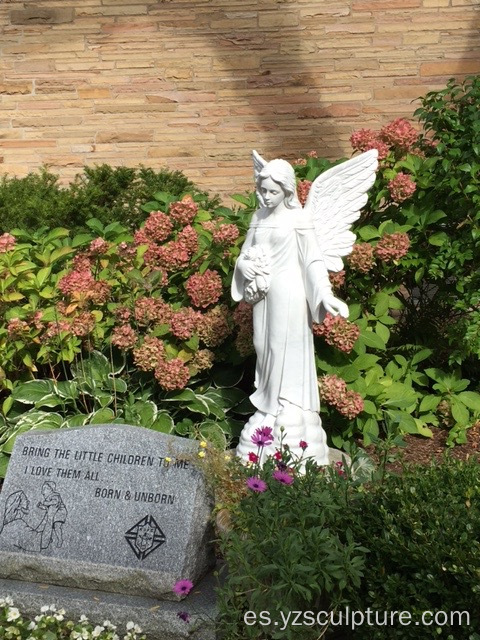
(271, 72)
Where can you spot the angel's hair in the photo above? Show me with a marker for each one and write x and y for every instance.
(281, 172)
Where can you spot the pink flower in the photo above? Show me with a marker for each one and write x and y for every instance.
(124, 337)
(303, 189)
(256, 484)
(158, 227)
(333, 390)
(252, 457)
(152, 311)
(283, 477)
(83, 324)
(392, 246)
(337, 279)
(338, 332)
(362, 257)
(202, 360)
(183, 211)
(351, 404)
(204, 289)
(16, 327)
(401, 187)
(188, 239)
(399, 134)
(303, 445)
(226, 235)
(172, 374)
(213, 326)
(366, 139)
(183, 587)
(184, 322)
(277, 455)
(149, 354)
(7, 242)
(173, 256)
(98, 246)
(263, 436)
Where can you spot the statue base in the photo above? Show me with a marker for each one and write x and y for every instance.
(290, 427)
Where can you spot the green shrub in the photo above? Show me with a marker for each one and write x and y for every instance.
(288, 550)
(421, 529)
(338, 540)
(115, 327)
(110, 194)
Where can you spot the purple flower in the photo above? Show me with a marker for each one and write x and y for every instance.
(184, 615)
(283, 477)
(302, 444)
(183, 587)
(263, 436)
(256, 484)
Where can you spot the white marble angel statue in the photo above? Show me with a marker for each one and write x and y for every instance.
(282, 271)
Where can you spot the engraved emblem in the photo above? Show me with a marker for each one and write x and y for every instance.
(145, 537)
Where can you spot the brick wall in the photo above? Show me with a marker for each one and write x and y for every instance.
(196, 84)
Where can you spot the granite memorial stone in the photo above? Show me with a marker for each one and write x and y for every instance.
(108, 507)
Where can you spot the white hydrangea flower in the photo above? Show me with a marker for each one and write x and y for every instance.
(13, 614)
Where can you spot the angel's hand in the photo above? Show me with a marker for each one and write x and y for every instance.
(246, 268)
(335, 306)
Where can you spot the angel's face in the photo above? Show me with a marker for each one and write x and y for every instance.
(272, 193)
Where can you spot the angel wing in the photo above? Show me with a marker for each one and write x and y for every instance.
(258, 164)
(334, 202)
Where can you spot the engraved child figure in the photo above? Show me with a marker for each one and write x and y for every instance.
(54, 518)
(15, 524)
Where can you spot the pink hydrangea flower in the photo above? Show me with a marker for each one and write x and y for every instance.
(392, 246)
(401, 187)
(16, 327)
(124, 337)
(333, 391)
(204, 289)
(83, 324)
(203, 359)
(158, 227)
(226, 235)
(213, 326)
(183, 211)
(173, 256)
(338, 332)
(337, 278)
(98, 246)
(184, 322)
(188, 239)
(366, 139)
(303, 189)
(362, 257)
(7, 242)
(172, 374)
(399, 134)
(149, 354)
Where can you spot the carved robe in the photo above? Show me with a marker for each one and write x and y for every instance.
(282, 320)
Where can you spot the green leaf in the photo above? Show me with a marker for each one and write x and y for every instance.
(365, 361)
(438, 239)
(421, 355)
(429, 403)
(370, 407)
(102, 416)
(225, 377)
(368, 232)
(382, 305)
(78, 420)
(382, 331)
(163, 423)
(33, 391)
(373, 340)
(4, 460)
(471, 400)
(460, 412)
(213, 433)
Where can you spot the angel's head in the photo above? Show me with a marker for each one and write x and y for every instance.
(283, 175)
